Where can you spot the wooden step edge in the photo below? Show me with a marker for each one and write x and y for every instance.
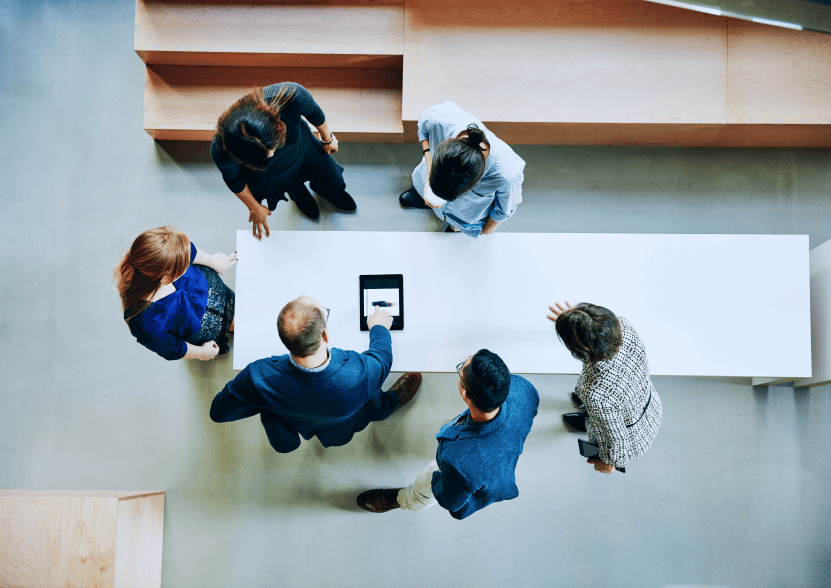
(295, 60)
(653, 134)
(344, 136)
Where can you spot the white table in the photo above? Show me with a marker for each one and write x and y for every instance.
(704, 305)
(820, 317)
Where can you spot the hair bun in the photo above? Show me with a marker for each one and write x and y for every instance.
(475, 136)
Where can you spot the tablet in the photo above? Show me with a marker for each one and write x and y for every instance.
(386, 291)
(591, 450)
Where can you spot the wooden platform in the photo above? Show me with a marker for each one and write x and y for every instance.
(81, 538)
(563, 72)
(184, 102)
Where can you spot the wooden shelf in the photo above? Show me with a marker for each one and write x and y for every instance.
(270, 33)
(184, 102)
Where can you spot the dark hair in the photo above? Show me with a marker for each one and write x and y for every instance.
(590, 332)
(251, 127)
(300, 326)
(487, 380)
(458, 164)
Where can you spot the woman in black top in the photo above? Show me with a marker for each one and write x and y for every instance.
(264, 149)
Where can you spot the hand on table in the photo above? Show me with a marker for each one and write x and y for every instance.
(258, 216)
(222, 263)
(379, 317)
(559, 310)
(601, 466)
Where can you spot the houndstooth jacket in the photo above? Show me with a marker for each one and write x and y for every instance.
(615, 393)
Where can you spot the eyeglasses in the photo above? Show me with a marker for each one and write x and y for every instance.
(327, 313)
(461, 377)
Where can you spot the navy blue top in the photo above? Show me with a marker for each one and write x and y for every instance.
(333, 403)
(300, 103)
(477, 460)
(168, 323)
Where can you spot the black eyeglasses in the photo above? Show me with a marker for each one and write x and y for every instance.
(461, 377)
(327, 313)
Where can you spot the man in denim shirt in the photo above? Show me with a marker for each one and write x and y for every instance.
(478, 450)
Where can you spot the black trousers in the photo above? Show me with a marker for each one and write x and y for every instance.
(312, 164)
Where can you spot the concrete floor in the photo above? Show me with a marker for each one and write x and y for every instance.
(734, 492)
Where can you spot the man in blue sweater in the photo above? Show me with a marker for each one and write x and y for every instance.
(316, 391)
(478, 450)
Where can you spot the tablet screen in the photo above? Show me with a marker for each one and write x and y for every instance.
(386, 291)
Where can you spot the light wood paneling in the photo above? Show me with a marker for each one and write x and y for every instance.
(55, 541)
(773, 135)
(184, 102)
(584, 61)
(139, 542)
(120, 494)
(778, 75)
(322, 33)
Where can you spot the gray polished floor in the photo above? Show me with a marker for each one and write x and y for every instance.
(735, 492)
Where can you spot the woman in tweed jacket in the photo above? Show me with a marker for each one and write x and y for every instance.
(623, 410)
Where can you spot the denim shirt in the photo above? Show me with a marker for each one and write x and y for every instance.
(498, 192)
(477, 461)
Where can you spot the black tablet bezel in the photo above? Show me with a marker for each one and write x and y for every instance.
(397, 321)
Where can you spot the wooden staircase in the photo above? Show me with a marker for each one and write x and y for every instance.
(573, 72)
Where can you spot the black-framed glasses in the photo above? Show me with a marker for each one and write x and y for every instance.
(327, 313)
(461, 377)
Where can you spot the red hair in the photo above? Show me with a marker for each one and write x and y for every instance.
(155, 255)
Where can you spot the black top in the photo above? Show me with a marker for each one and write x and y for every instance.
(300, 103)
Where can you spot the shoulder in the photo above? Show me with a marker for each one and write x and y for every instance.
(506, 163)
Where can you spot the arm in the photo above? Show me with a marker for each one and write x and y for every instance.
(504, 205)
(219, 262)
(451, 488)
(311, 111)
(611, 430)
(380, 347)
(233, 177)
(227, 406)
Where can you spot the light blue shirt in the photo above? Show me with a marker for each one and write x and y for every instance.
(319, 368)
(499, 191)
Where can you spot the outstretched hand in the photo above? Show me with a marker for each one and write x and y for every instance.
(379, 317)
(223, 263)
(258, 216)
(559, 310)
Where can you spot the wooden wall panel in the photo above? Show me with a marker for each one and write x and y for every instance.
(52, 542)
(587, 61)
(210, 32)
(778, 75)
(139, 542)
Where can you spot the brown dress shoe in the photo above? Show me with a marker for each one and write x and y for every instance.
(380, 500)
(405, 387)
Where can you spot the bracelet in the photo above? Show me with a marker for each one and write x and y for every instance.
(329, 142)
(425, 151)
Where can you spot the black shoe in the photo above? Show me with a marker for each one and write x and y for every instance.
(576, 420)
(411, 199)
(380, 500)
(406, 387)
(304, 201)
(341, 200)
(577, 400)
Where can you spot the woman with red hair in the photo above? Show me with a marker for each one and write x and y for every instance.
(173, 299)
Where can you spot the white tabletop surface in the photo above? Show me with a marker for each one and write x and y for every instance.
(704, 305)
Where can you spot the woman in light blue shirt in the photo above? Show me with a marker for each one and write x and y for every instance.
(469, 177)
